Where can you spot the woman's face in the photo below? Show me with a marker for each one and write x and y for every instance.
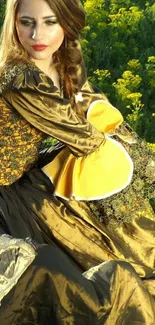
(38, 30)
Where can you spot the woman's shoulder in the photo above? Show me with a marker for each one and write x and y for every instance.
(23, 75)
(11, 71)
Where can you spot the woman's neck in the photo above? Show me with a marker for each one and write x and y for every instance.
(43, 65)
(50, 70)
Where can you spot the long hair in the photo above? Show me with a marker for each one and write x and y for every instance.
(68, 59)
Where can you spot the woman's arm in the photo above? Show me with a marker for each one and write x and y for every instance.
(34, 96)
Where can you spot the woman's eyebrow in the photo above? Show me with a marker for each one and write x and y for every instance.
(47, 17)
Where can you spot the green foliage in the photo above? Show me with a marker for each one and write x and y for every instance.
(118, 44)
(48, 142)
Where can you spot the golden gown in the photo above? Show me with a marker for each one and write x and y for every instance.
(118, 227)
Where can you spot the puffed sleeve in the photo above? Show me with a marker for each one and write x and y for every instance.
(33, 94)
(101, 113)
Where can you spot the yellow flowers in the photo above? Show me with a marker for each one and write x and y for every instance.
(151, 146)
(102, 74)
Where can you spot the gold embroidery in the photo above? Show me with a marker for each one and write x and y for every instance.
(19, 144)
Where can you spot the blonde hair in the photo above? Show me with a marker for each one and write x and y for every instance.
(68, 58)
(10, 47)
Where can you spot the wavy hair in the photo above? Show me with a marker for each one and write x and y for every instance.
(68, 59)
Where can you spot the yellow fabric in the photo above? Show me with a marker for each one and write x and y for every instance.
(100, 174)
(108, 119)
(104, 116)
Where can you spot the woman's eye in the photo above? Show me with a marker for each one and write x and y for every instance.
(32, 23)
(50, 22)
(27, 22)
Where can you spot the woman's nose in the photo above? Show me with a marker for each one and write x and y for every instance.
(37, 33)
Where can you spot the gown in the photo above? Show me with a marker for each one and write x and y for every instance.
(101, 244)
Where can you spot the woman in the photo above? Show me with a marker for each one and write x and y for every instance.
(44, 91)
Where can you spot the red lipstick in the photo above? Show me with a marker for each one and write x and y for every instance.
(39, 47)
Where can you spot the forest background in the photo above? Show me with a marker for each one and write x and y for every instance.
(119, 50)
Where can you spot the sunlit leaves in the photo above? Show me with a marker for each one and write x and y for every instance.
(121, 43)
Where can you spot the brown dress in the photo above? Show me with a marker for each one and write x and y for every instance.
(120, 228)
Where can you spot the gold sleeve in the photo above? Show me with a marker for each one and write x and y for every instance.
(87, 95)
(35, 97)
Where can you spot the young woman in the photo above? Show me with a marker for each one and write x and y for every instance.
(81, 195)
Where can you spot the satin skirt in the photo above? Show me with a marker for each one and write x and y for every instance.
(29, 209)
(53, 291)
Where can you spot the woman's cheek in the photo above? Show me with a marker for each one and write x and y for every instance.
(57, 35)
(22, 34)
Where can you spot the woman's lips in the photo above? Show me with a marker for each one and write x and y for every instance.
(39, 47)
